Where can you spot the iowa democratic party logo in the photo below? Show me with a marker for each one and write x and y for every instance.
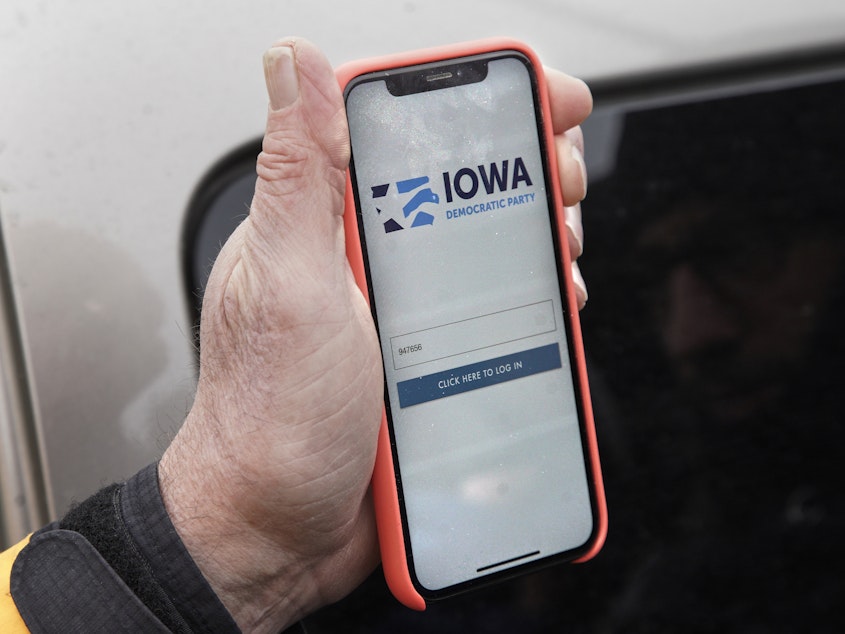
(414, 195)
(467, 193)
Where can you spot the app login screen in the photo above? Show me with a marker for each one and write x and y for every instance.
(467, 299)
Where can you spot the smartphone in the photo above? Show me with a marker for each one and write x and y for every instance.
(487, 463)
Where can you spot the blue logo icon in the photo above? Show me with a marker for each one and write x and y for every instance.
(419, 195)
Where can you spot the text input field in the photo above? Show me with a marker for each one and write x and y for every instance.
(471, 334)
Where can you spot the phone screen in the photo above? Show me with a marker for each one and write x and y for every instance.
(465, 285)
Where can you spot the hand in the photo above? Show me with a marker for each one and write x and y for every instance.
(267, 481)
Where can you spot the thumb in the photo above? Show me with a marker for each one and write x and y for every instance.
(286, 262)
(301, 169)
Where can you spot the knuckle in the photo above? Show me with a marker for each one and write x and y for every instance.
(283, 158)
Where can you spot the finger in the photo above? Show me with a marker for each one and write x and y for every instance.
(571, 168)
(576, 136)
(570, 100)
(581, 295)
(574, 230)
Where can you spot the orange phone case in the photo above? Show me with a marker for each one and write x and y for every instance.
(388, 515)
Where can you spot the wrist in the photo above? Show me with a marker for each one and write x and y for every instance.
(264, 588)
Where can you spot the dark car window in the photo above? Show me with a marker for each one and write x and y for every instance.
(715, 260)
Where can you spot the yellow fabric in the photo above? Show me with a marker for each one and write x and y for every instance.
(10, 620)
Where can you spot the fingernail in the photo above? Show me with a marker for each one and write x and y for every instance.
(579, 158)
(281, 76)
(580, 286)
(572, 216)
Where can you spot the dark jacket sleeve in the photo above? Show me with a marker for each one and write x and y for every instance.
(114, 563)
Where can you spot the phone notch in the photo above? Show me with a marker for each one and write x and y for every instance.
(425, 79)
